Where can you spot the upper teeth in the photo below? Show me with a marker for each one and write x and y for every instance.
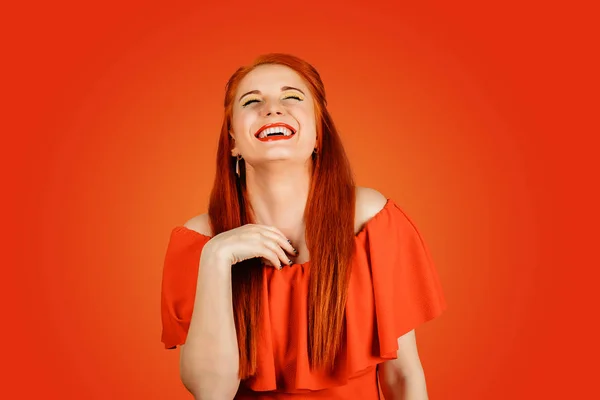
(280, 129)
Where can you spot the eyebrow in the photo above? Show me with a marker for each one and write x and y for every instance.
(283, 88)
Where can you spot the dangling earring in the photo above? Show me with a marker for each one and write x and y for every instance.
(237, 165)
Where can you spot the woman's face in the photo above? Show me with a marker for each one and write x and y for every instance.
(273, 116)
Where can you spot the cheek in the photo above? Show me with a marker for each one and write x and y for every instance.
(306, 117)
(241, 122)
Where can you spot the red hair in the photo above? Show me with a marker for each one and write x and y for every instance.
(329, 219)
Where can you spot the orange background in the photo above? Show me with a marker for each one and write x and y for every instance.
(471, 117)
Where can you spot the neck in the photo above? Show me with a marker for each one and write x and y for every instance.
(278, 193)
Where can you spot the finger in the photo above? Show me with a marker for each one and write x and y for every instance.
(282, 241)
(275, 248)
(272, 258)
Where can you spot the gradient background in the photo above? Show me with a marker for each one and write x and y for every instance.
(471, 117)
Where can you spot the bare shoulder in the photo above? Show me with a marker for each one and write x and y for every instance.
(369, 202)
(200, 223)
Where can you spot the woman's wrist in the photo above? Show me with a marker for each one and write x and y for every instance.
(213, 260)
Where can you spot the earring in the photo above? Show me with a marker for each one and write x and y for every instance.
(315, 151)
(237, 165)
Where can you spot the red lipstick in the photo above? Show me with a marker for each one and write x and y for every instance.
(284, 132)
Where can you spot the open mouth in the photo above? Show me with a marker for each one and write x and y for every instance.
(276, 131)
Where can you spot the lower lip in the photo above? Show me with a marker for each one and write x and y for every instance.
(274, 138)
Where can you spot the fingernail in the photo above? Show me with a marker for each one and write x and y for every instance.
(280, 266)
(289, 241)
(289, 261)
(295, 251)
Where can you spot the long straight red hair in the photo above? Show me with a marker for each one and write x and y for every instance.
(329, 220)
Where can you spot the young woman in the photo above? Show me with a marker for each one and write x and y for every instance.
(296, 283)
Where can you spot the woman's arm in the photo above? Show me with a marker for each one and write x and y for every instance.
(403, 378)
(209, 359)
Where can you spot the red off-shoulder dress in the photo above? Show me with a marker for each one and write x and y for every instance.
(393, 288)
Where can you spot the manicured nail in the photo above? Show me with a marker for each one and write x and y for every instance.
(289, 261)
(295, 251)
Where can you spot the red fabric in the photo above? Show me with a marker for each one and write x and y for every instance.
(394, 288)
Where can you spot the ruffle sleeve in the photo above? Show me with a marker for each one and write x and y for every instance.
(178, 289)
(406, 288)
(394, 288)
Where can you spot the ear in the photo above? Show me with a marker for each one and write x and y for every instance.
(234, 151)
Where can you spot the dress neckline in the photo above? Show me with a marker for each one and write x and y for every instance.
(389, 202)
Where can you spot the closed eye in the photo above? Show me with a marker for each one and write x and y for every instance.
(249, 102)
(255, 100)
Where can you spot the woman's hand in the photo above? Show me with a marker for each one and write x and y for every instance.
(251, 241)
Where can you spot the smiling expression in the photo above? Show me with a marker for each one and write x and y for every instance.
(273, 116)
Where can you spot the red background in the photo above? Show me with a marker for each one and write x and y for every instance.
(471, 117)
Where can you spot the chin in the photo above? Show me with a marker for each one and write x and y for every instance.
(282, 156)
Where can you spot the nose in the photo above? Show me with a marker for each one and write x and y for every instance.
(273, 108)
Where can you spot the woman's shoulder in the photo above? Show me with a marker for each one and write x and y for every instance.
(199, 224)
(369, 203)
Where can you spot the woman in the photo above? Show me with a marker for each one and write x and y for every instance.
(296, 283)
